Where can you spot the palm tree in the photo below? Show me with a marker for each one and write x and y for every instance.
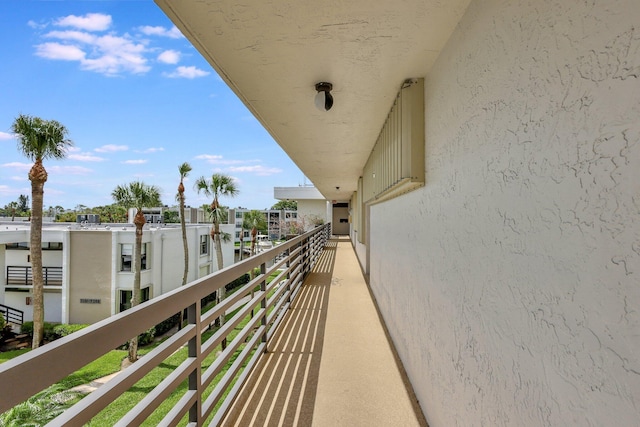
(38, 140)
(255, 221)
(219, 185)
(136, 195)
(184, 170)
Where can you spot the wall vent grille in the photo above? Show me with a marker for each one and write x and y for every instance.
(396, 164)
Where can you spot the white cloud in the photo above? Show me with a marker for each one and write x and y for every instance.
(78, 36)
(172, 33)
(211, 158)
(88, 22)
(187, 73)
(6, 136)
(18, 165)
(86, 158)
(257, 169)
(110, 148)
(134, 162)
(150, 150)
(169, 57)
(108, 54)
(60, 51)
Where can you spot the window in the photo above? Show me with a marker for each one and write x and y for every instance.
(52, 246)
(204, 244)
(46, 246)
(125, 297)
(126, 257)
(20, 246)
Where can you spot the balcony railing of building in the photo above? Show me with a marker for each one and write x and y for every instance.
(12, 315)
(263, 301)
(23, 276)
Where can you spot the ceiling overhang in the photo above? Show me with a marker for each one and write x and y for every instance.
(272, 53)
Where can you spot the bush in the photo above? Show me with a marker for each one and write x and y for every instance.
(143, 339)
(166, 325)
(146, 337)
(2, 322)
(27, 328)
(52, 331)
(64, 330)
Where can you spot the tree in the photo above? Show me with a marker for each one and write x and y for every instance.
(219, 185)
(13, 206)
(23, 203)
(289, 205)
(136, 195)
(255, 221)
(38, 140)
(184, 170)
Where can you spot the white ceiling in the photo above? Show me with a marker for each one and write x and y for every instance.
(271, 53)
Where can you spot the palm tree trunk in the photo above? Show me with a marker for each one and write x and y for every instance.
(137, 266)
(185, 248)
(37, 195)
(184, 242)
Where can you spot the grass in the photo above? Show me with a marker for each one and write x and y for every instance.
(44, 406)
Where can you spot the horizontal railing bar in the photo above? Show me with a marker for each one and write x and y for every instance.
(224, 330)
(219, 389)
(32, 372)
(278, 319)
(225, 406)
(226, 354)
(176, 413)
(155, 397)
(90, 405)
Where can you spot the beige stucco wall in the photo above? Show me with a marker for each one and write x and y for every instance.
(509, 283)
(308, 210)
(89, 275)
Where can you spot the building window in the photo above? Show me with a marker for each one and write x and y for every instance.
(126, 257)
(20, 246)
(125, 297)
(204, 244)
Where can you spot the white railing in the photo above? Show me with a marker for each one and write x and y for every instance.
(33, 372)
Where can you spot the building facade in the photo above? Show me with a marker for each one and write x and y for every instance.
(88, 267)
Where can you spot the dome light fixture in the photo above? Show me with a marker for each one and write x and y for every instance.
(324, 100)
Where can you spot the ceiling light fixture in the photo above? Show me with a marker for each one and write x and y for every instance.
(324, 99)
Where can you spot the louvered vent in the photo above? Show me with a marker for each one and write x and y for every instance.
(396, 164)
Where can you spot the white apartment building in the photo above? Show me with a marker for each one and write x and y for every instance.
(278, 222)
(87, 267)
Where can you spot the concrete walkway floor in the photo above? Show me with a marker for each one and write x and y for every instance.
(330, 364)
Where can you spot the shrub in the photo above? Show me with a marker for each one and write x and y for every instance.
(166, 325)
(2, 322)
(147, 337)
(52, 331)
(64, 330)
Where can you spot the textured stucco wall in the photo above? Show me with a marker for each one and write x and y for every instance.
(510, 283)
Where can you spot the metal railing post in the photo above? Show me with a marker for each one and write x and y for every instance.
(263, 302)
(194, 348)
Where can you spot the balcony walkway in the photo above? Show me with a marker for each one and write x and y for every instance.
(331, 363)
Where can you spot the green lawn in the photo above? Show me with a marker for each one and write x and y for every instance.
(46, 405)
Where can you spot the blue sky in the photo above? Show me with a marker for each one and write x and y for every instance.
(138, 100)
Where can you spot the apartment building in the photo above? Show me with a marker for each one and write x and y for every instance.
(87, 266)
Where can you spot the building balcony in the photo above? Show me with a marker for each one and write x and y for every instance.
(314, 350)
(22, 276)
